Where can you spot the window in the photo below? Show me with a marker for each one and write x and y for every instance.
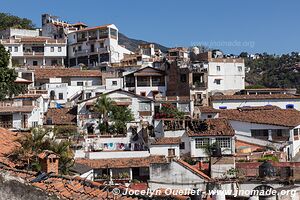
(10, 49)
(52, 49)
(184, 107)
(34, 124)
(101, 45)
(34, 63)
(240, 69)
(88, 95)
(79, 83)
(143, 94)
(158, 81)
(171, 152)
(59, 49)
(114, 83)
(182, 145)
(259, 133)
(60, 96)
(296, 131)
(74, 49)
(223, 142)
(209, 116)
(183, 78)
(144, 106)
(16, 49)
(79, 48)
(201, 142)
(218, 81)
(143, 81)
(218, 68)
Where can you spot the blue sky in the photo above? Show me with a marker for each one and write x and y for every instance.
(271, 26)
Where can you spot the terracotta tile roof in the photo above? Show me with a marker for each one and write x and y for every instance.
(192, 169)
(207, 109)
(8, 143)
(65, 72)
(167, 140)
(67, 187)
(122, 162)
(28, 96)
(255, 97)
(210, 127)
(271, 115)
(62, 116)
(13, 109)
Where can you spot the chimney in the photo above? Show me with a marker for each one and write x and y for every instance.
(49, 161)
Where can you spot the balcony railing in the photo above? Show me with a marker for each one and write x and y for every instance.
(33, 53)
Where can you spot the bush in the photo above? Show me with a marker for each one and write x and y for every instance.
(66, 130)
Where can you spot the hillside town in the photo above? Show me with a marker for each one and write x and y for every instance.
(96, 120)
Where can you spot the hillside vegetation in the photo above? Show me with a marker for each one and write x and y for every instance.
(274, 71)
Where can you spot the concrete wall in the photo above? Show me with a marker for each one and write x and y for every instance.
(231, 78)
(173, 175)
(163, 149)
(233, 104)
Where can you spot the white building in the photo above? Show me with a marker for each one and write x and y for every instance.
(141, 107)
(95, 45)
(146, 81)
(167, 146)
(266, 126)
(204, 133)
(224, 75)
(235, 101)
(68, 84)
(177, 174)
(34, 50)
(23, 112)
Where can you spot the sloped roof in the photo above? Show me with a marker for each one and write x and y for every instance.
(67, 187)
(65, 72)
(121, 162)
(270, 115)
(192, 169)
(8, 143)
(210, 127)
(167, 140)
(62, 116)
(13, 109)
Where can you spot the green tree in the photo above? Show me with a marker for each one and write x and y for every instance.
(103, 106)
(8, 87)
(113, 118)
(10, 21)
(37, 141)
(121, 116)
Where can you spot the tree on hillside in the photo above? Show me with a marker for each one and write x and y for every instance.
(8, 87)
(274, 71)
(10, 21)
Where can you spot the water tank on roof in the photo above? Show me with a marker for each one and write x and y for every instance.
(266, 169)
(195, 50)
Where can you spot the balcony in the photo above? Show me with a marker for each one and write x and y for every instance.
(33, 53)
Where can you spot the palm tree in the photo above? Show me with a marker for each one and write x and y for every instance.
(103, 106)
(36, 142)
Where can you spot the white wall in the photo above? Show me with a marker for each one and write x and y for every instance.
(231, 78)
(174, 176)
(163, 149)
(233, 104)
(117, 154)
